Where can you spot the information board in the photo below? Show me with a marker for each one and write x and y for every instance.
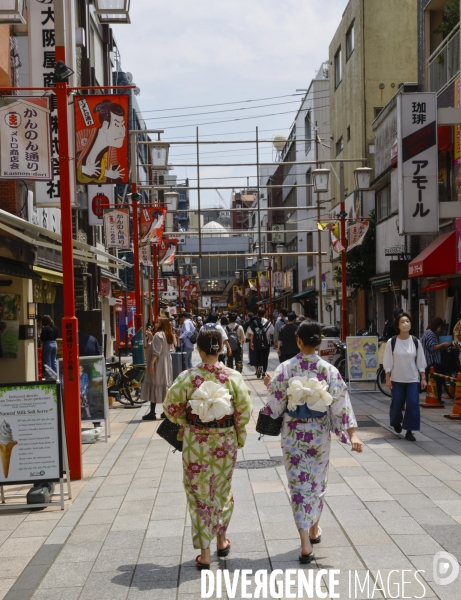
(30, 433)
(362, 357)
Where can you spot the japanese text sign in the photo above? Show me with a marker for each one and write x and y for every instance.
(417, 163)
(117, 229)
(25, 143)
(152, 222)
(145, 256)
(101, 139)
(162, 285)
(357, 234)
(100, 197)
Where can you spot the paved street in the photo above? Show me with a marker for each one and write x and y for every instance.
(126, 535)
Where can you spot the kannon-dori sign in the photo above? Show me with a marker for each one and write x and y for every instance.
(418, 163)
(25, 141)
(101, 139)
(117, 229)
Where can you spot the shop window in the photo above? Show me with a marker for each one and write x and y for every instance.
(383, 203)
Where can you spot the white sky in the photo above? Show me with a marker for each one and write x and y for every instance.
(184, 54)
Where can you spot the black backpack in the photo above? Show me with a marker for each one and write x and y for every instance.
(415, 342)
(260, 341)
(233, 338)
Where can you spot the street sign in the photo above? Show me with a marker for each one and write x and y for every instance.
(162, 285)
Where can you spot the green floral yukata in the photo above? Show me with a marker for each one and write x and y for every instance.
(209, 454)
(306, 441)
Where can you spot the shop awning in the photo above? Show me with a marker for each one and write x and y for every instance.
(14, 268)
(304, 295)
(439, 258)
(383, 280)
(39, 236)
(48, 274)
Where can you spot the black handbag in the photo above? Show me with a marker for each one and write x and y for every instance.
(266, 425)
(169, 432)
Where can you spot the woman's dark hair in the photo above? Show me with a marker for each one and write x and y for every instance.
(400, 316)
(310, 333)
(232, 318)
(209, 340)
(435, 324)
(224, 321)
(47, 321)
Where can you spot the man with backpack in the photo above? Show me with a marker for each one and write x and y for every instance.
(260, 331)
(212, 322)
(187, 335)
(235, 339)
(287, 346)
(281, 321)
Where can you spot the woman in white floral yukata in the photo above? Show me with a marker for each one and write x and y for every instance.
(212, 404)
(313, 399)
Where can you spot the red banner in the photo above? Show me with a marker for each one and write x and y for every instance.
(152, 223)
(162, 285)
(101, 139)
(167, 251)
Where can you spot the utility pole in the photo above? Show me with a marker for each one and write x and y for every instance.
(342, 205)
(319, 238)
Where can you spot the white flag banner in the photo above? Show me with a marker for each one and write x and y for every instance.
(145, 256)
(357, 234)
(117, 229)
(25, 142)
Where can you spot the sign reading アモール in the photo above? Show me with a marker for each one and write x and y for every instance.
(417, 163)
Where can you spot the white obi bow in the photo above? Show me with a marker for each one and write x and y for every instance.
(211, 401)
(312, 392)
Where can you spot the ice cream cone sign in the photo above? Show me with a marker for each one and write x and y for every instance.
(7, 443)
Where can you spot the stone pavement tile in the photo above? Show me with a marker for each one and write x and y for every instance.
(338, 557)
(112, 490)
(354, 518)
(417, 500)
(79, 552)
(136, 507)
(269, 514)
(451, 507)
(156, 571)
(244, 524)
(99, 517)
(280, 530)
(454, 485)
(146, 594)
(374, 467)
(369, 536)
(264, 487)
(158, 529)
(375, 557)
(122, 469)
(145, 482)
(107, 503)
(124, 539)
(434, 493)
(10, 522)
(158, 547)
(373, 495)
(63, 593)
(169, 499)
(344, 462)
(426, 481)
(246, 542)
(89, 533)
(12, 566)
(432, 516)
(400, 525)
(118, 479)
(448, 536)
(48, 515)
(21, 547)
(416, 544)
(120, 559)
(46, 555)
(112, 585)
(338, 489)
(5, 586)
(387, 508)
(253, 562)
(424, 562)
(415, 470)
(352, 472)
(135, 522)
(261, 474)
(29, 578)
(66, 575)
(350, 502)
(400, 487)
(4, 535)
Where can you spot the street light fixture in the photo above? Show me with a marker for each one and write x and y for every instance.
(194, 270)
(180, 270)
(12, 11)
(237, 274)
(321, 179)
(32, 310)
(279, 248)
(362, 178)
(265, 263)
(160, 151)
(113, 11)
(171, 199)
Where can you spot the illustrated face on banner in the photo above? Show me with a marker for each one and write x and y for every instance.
(101, 139)
(152, 222)
(167, 251)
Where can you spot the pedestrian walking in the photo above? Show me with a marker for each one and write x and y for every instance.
(159, 367)
(432, 348)
(287, 345)
(236, 339)
(48, 337)
(212, 405)
(279, 323)
(260, 331)
(404, 362)
(212, 322)
(187, 336)
(313, 399)
(251, 352)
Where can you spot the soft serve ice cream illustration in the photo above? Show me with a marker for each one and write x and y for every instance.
(6, 446)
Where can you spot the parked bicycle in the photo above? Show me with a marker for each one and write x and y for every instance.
(124, 382)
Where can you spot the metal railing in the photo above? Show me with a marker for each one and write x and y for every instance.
(443, 63)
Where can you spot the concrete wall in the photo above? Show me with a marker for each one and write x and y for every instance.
(386, 237)
(5, 69)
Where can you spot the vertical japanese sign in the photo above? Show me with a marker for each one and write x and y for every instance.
(357, 234)
(417, 163)
(100, 197)
(152, 222)
(101, 139)
(145, 256)
(117, 229)
(25, 144)
(42, 60)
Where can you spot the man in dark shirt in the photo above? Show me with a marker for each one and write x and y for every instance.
(287, 339)
(88, 345)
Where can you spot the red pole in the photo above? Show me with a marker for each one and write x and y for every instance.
(342, 206)
(270, 291)
(179, 293)
(156, 298)
(71, 363)
(137, 268)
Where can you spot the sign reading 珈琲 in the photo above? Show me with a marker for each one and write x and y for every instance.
(417, 163)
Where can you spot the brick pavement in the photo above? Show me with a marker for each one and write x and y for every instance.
(126, 535)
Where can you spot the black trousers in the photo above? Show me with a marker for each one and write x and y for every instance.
(262, 358)
(237, 356)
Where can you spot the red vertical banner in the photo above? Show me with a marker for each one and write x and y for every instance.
(167, 251)
(101, 138)
(152, 223)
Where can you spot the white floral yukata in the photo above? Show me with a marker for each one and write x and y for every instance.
(306, 442)
(209, 454)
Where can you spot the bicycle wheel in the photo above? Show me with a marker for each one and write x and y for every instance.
(340, 364)
(381, 381)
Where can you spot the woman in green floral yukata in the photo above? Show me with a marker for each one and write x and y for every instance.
(313, 399)
(212, 404)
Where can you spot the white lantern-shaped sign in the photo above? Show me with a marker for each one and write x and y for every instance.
(113, 11)
(171, 200)
(321, 179)
(362, 178)
(12, 11)
(160, 152)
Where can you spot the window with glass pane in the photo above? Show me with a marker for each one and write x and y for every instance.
(310, 248)
(309, 189)
(350, 41)
(339, 145)
(338, 68)
(307, 132)
(383, 203)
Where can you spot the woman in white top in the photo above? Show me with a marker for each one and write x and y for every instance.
(404, 365)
